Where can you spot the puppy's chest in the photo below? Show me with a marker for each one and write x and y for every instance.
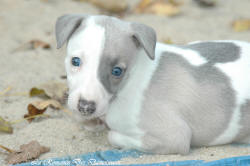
(123, 116)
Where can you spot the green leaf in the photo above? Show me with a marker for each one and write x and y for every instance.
(5, 126)
(36, 92)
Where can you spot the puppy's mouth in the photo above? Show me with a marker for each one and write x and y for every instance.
(90, 116)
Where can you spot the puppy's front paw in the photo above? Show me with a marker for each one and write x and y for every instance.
(115, 139)
(119, 140)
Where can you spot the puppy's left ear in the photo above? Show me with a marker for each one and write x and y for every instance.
(144, 37)
(66, 25)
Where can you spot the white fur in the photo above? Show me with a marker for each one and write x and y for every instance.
(195, 42)
(123, 117)
(83, 81)
(191, 56)
(238, 72)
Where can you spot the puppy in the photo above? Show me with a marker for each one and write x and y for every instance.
(154, 97)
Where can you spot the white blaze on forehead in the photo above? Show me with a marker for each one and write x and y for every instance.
(88, 45)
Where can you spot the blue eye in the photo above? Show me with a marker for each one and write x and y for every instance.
(76, 61)
(117, 71)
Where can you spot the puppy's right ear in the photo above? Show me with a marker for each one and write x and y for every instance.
(66, 26)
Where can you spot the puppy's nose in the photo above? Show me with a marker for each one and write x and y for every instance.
(86, 107)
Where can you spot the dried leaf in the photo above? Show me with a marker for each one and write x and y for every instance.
(241, 25)
(158, 7)
(142, 5)
(206, 3)
(112, 6)
(164, 9)
(168, 41)
(36, 92)
(52, 90)
(63, 77)
(5, 126)
(39, 107)
(33, 44)
(39, 44)
(27, 152)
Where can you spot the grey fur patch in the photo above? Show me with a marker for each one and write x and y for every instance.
(185, 104)
(119, 50)
(217, 52)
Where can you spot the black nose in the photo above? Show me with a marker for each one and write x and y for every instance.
(86, 107)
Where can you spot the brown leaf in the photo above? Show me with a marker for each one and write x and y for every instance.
(158, 7)
(26, 153)
(63, 77)
(206, 3)
(39, 44)
(5, 126)
(142, 5)
(241, 25)
(52, 90)
(112, 6)
(164, 9)
(33, 44)
(39, 107)
(168, 41)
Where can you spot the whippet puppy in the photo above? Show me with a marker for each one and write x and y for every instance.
(155, 97)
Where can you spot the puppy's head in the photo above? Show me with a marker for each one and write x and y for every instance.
(101, 51)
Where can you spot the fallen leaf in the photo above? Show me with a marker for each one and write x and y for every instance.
(112, 6)
(53, 90)
(63, 77)
(241, 25)
(164, 9)
(158, 7)
(142, 5)
(5, 126)
(168, 41)
(39, 107)
(176, 2)
(36, 92)
(206, 3)
(26, 153)
(33, 44)
(39, 44)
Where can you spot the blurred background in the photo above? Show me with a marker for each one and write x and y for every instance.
(28, 58)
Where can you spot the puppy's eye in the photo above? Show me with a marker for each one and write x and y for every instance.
(75, 61)
(117, 71)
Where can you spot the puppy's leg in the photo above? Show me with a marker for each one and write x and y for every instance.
(119, 140)
(173, 136)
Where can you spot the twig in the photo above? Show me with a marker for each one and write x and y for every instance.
(30, 117)
(66, 111)
(7, 149)
(5, 91)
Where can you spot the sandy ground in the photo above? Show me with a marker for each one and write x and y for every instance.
(24, 20)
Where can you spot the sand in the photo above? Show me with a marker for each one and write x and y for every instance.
(24, 20)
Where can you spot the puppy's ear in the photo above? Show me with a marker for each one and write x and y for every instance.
(144, 37)
(66, 26)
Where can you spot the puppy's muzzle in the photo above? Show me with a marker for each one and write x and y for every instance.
(86, 107)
